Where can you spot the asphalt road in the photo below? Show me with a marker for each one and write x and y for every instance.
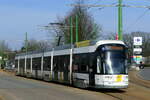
(145, 73)
(18, 88)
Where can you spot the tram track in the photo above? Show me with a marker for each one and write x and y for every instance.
(133, 92)
(127, 94)
(93, 90)
(117, 94)
(138, 89)
(145, 86)
(136, 79)
(115, 97)
(120, 95)
(118, 98)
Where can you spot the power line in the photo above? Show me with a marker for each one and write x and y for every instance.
(136, 21)
(139, 0)
(147, 0)
(132, 6)
(119, 5)
(111, 4)
(101, 8)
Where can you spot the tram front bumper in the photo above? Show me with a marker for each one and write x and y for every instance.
(111, 86)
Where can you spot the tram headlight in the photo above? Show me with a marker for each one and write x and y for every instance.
(126, 78)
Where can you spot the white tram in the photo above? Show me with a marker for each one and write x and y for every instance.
(99, 65)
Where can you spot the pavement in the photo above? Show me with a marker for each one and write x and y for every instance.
(145, 73)
(19, 88)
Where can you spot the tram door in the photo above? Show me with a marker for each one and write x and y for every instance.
(91, 76)
(66, 67)
(92, 70)
(37, 66)
(55, 67)
(36, 71)
(22, 66)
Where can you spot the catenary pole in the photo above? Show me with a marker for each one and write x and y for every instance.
(26, 42)
(120, 25)
(77, 39)
(71, 31)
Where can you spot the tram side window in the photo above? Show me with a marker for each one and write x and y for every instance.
(84, 63)
(81, 63)
(34, 64)
(66, 63)
(76, 62)
(22, 63)
(55, 64)
(28, 63)
(58, 63)
(47, 64)
(37, 63)
(61, 63)
(16, 63)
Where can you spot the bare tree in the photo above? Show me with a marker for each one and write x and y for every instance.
(33, 45)
(4, 46)
(87, 28)
(4, 49)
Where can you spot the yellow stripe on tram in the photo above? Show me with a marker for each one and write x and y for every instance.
(119, 78)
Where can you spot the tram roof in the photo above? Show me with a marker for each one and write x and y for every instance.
(102, 42)
(68, 46)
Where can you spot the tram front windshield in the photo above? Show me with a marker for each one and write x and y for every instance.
(114, 60)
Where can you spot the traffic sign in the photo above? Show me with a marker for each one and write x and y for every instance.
(137, 50)
(137, 41)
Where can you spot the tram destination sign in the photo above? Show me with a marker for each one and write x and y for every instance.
(114, 48)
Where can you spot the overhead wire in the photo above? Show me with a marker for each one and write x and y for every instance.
(100, 8)
(147, 0)
(137, 20)
(140, 17)
(95, 3)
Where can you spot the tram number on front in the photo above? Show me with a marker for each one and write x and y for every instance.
(119, 78)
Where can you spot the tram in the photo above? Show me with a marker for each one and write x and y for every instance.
(102, 64)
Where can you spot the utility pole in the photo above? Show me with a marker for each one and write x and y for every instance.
(26, 42)
(77, 38)
(120, 25)
(71, 31)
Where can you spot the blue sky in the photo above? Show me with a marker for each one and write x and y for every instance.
(20, 16)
